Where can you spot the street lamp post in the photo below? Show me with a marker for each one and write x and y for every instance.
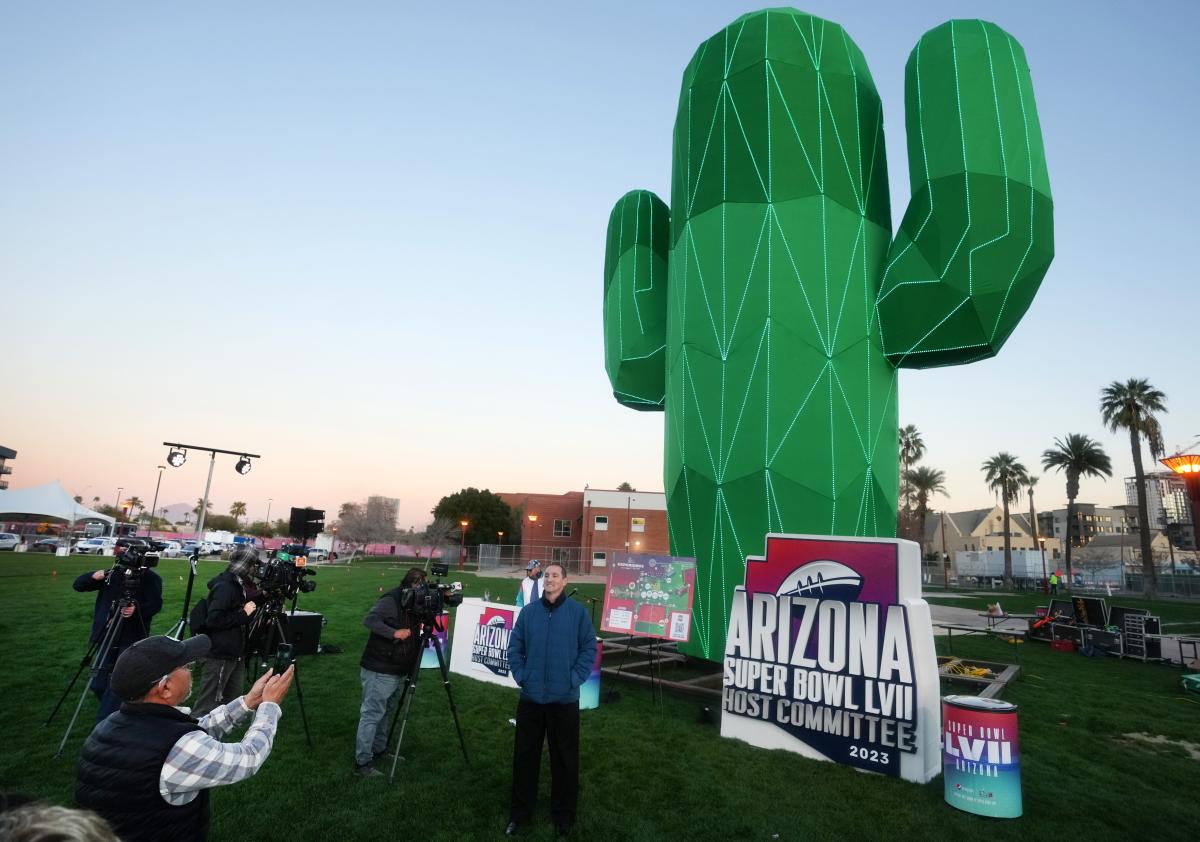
(154, 505)
(270, 500)
(462, 544)
(1187, 465)
(532, 523)
(117, 507)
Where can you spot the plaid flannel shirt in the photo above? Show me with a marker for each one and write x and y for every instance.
(201, 761)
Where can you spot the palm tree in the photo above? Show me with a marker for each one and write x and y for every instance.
(95, 502)
(912, 448)
(1131, 406)
(1006, 476)
(925, 482)
(1076, 455)
(196, 508)
(238, 510)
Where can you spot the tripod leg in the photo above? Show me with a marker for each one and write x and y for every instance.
(402, 709)
(83, 664)
(408, 682)
(437, 646)
(278, 630)
(98, 663)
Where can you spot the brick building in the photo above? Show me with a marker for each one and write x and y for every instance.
(584, 528)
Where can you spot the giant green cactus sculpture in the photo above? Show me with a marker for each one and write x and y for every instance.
(768, 310)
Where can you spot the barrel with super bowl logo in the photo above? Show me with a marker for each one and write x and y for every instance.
(981, 763)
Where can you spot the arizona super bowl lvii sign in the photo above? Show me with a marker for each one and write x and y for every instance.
(830, 654)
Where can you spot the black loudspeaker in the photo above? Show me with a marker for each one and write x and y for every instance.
(303, 631)
(306, 523)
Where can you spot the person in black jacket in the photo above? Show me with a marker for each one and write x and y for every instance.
(146, 602)
(387, 661)
(230, 607)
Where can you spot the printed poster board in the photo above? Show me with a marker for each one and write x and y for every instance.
(649, 596)
(830, 654)
(481, 633)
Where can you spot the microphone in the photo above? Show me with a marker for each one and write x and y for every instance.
(573, 592)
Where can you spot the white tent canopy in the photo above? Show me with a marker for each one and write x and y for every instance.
(47, 501)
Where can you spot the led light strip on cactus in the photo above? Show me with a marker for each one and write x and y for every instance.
(768, 309)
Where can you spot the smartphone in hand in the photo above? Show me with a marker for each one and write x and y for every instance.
(283, 658)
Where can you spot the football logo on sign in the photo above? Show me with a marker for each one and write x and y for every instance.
(823, 580)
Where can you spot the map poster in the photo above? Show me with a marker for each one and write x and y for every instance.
(649, 596)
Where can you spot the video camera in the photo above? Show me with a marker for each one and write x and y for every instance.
(133, 562)
(284, 576)
(429, 599)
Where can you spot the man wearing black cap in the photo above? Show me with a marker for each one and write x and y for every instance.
(147, 768)
(227, 623)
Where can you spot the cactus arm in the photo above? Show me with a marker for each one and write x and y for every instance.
(978, 235)
(635, 300)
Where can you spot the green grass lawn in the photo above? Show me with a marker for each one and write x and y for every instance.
(646, 774)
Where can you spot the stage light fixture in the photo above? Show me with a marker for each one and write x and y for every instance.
(243, 465)
(176, 458)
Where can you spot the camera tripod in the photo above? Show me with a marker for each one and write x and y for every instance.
(97, 659)
(410, 691)
(267, 626)
(181, 626)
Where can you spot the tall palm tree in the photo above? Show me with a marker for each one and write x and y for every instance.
(1076, 455)
(95, 501)
(925, 482)
(1006, 476)
(912, 448)
(196, 508)
(1030, 484)
(238, 510)
(1131, 406)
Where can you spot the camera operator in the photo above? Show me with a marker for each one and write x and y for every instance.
(145, 601)
(387, 661)
(147, 769)
(230, 608)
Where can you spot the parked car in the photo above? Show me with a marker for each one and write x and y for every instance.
(93, 546)
(318, 554)
(48, 544)
(171, 549)
(9, 541)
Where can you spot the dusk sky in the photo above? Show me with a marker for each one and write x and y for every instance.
(366, 240)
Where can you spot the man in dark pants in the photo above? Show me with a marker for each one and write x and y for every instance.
(550, 655)
(227, 622)
(147, 601)
(386, 663)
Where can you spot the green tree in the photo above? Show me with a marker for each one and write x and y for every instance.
(625, 487)
(1132, 406)
(281, 528)
(484, 511)
(1006, 476)
(220, 523)
(238, 510)
(259, 529)
(924, 482)
(1076, 456)
(132, 504)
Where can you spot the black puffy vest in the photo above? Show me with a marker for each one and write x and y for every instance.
(388, 655)
(119, 770)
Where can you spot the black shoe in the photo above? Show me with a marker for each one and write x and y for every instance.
(367, 771)
(512, 830)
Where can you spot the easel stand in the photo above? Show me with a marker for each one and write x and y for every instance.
(654, 660)
(428, 637)
(97, 659)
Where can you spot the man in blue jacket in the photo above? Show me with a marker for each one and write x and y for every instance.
(550, 654)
